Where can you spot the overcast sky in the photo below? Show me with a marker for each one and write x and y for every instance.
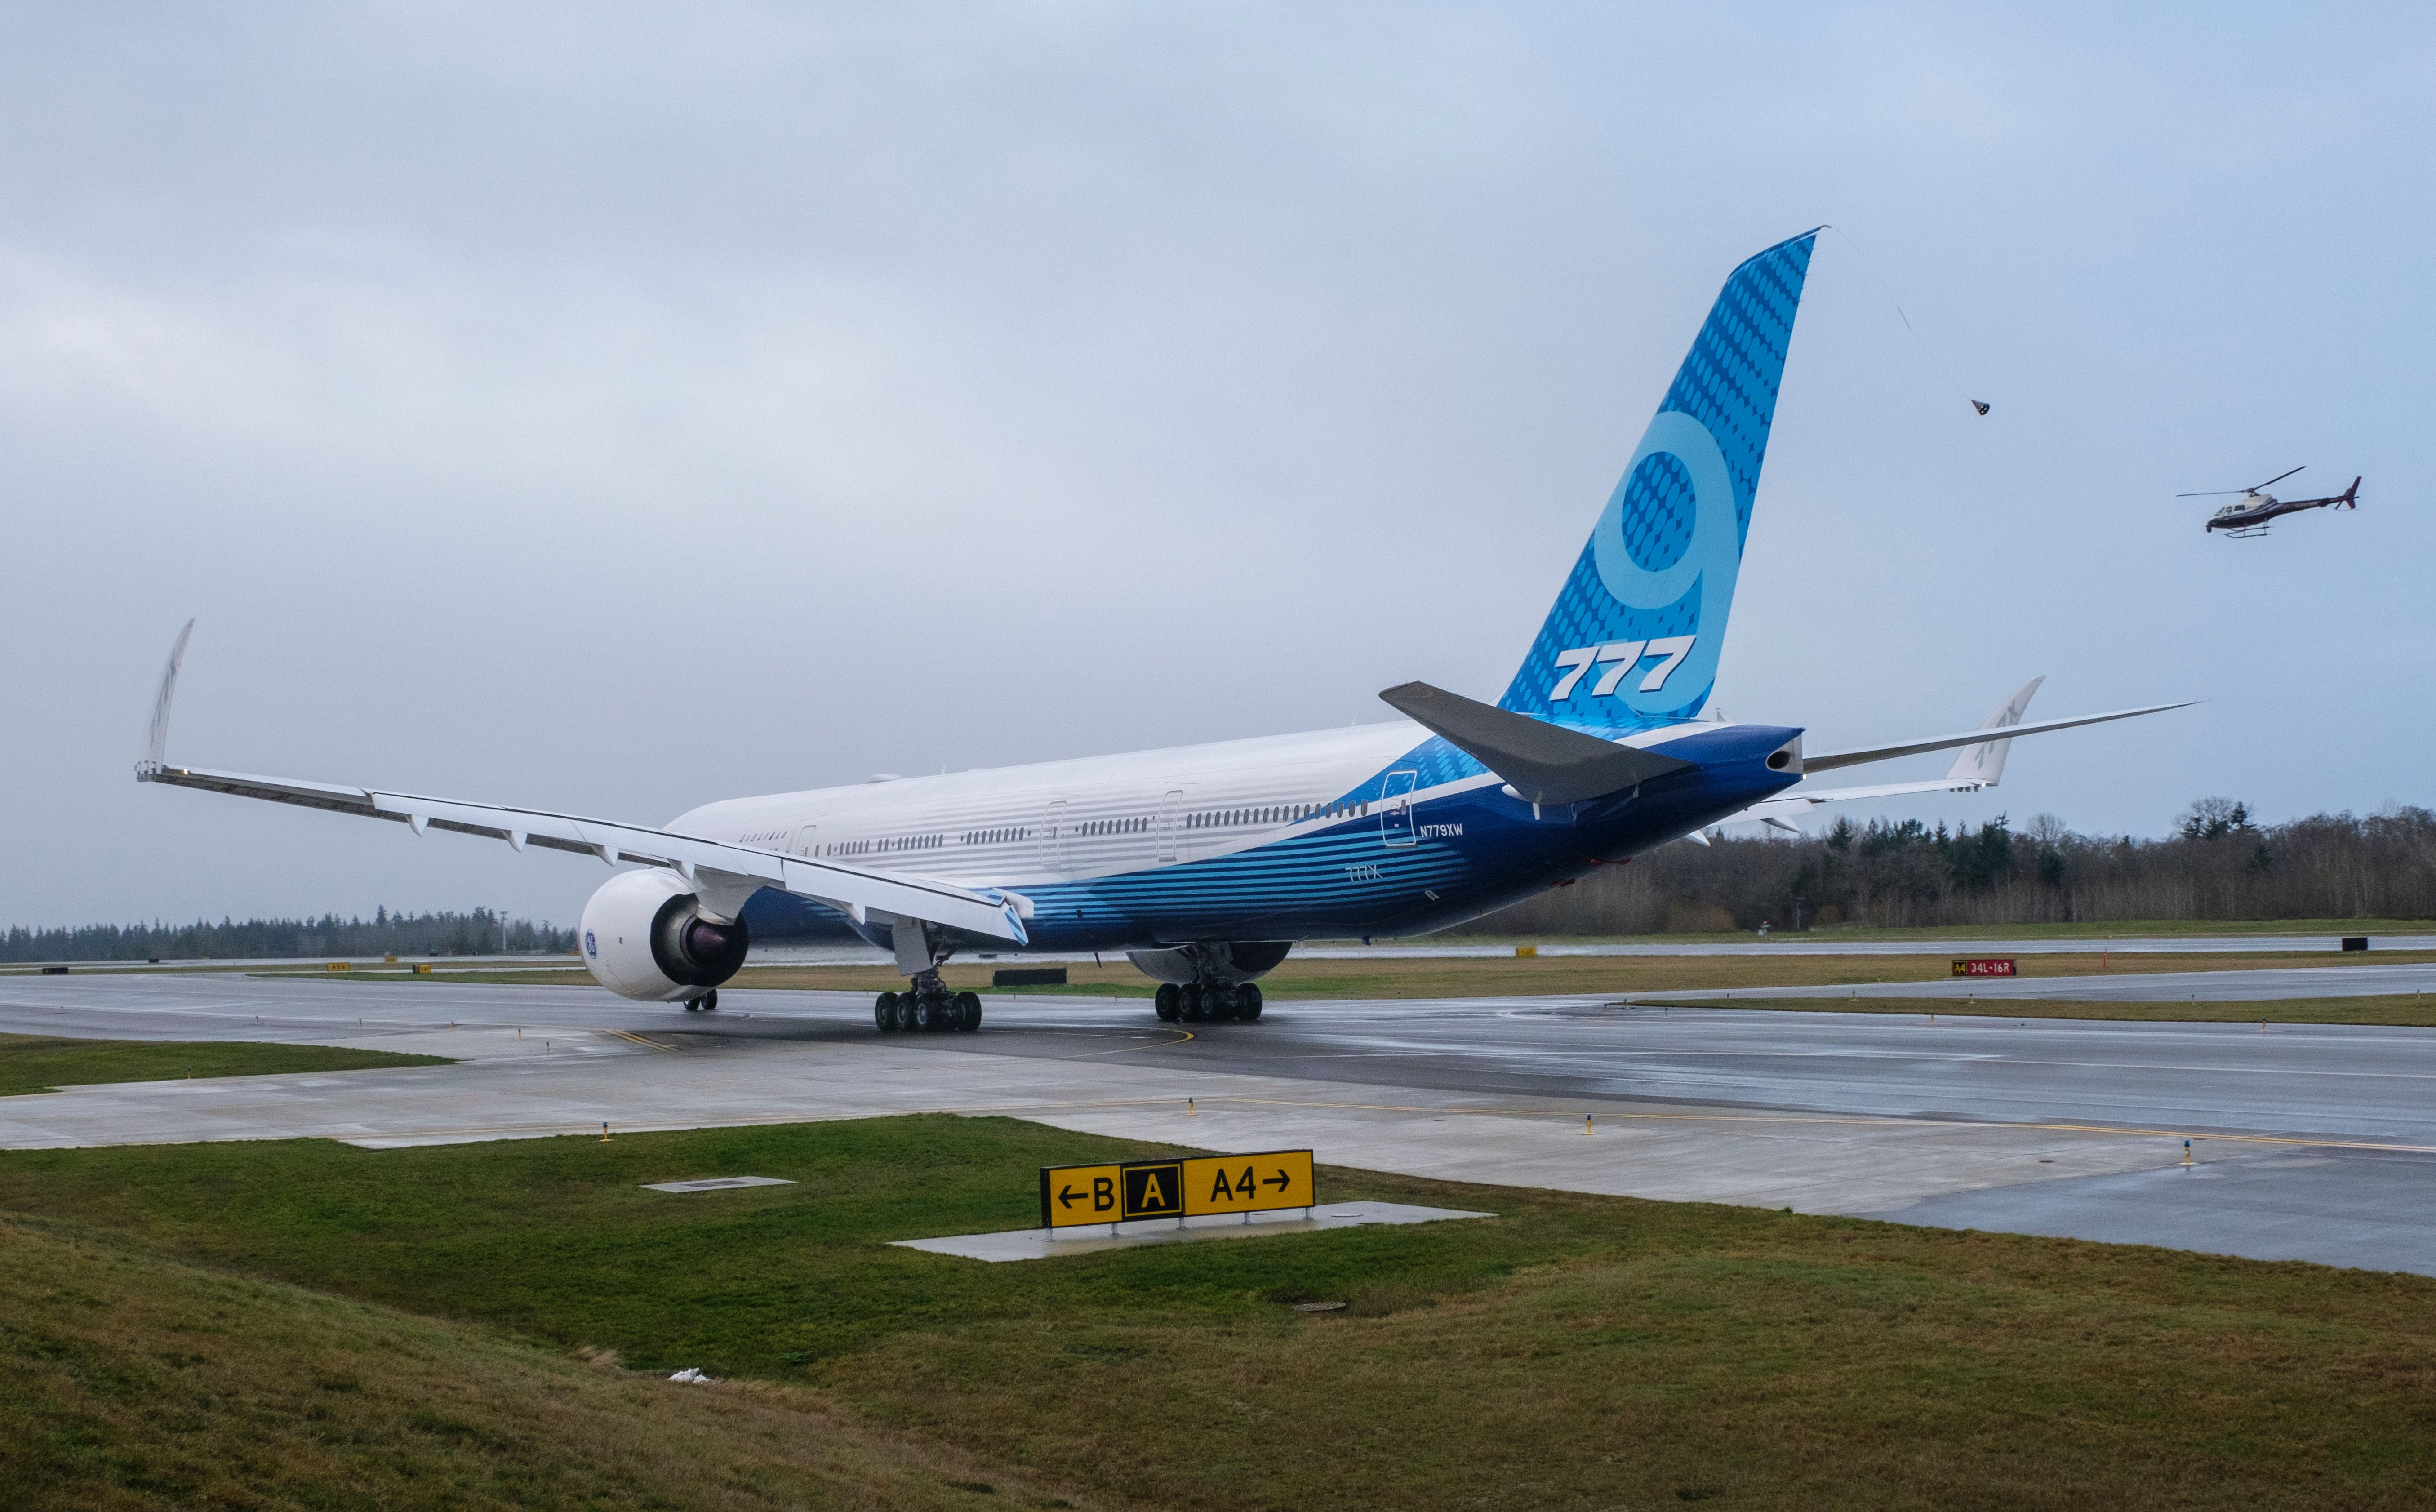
(613, 408)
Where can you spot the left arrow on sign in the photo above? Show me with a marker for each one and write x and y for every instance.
(1068, 1196)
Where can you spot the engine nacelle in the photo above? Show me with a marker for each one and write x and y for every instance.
(645, 935)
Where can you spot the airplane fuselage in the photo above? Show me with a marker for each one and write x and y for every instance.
(1376, 829)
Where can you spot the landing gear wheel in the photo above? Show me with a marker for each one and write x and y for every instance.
(710, 1002)
(883, 1012)
(904, 1012)
(925, 1018)
(1248, 1002)
(1218, 1001)
(1189, 1000)
(968, 1011)
(1168, 1002)
(693, 1005)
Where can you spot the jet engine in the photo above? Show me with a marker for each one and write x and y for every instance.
(647, 935)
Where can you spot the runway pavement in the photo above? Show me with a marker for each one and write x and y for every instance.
(1822, 942)
(2364, 980)
(2311, 1141)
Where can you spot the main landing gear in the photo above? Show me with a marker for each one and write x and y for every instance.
(928, 1008)
(1209, 1002)
(706, 1003)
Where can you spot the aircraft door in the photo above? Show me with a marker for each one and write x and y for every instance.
(1052, 840)
(802, 844)
(1171, 817)
(1396, 808)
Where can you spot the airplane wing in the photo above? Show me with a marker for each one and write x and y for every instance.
(1829, 761)
(736, 871)
(725, 873)
(1980, 765)
(1773, 812)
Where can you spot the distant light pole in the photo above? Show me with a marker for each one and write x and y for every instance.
(503, 932)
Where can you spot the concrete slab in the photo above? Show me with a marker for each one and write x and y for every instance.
(2326, 1203)
(1040, 1243)
(717, 1184)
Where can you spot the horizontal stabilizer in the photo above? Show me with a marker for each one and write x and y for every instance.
(1545, 763)
(1830, 760)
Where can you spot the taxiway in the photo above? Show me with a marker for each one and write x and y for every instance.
(2312, 1142)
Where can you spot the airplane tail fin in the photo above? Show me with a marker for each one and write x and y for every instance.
(1634, 635)
(1985, 763)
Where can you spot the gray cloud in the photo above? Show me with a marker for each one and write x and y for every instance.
(620, 408)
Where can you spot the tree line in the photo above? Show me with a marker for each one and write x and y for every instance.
(2217, 862)
(476, 932)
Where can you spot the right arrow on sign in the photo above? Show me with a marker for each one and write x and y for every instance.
(1282, 1181)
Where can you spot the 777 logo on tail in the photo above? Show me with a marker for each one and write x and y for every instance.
(1619, 657)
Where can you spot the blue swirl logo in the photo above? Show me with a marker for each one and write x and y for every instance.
(1650, 561)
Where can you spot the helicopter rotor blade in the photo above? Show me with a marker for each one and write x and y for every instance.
(2219, 493)
(2279, 477)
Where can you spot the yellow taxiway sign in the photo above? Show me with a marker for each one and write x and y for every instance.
(1070, 1195)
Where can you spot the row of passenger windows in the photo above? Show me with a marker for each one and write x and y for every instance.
(1014, 834)
(1275, 814)
(895, 842)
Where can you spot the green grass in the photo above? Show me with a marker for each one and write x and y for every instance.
(38, 1063)
(1576, 1351)
(134, 1381)
(2397, 1010)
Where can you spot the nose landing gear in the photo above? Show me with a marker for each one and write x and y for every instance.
(706, 1003)
(928, 1008)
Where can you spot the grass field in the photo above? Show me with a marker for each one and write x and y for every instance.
(137, 1381)
(1575, 1351)
(37, 1063)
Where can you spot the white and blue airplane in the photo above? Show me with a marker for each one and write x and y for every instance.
(1207, 863)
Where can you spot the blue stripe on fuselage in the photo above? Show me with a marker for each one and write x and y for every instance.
(1475, 849)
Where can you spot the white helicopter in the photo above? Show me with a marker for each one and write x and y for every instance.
(2248, 514)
